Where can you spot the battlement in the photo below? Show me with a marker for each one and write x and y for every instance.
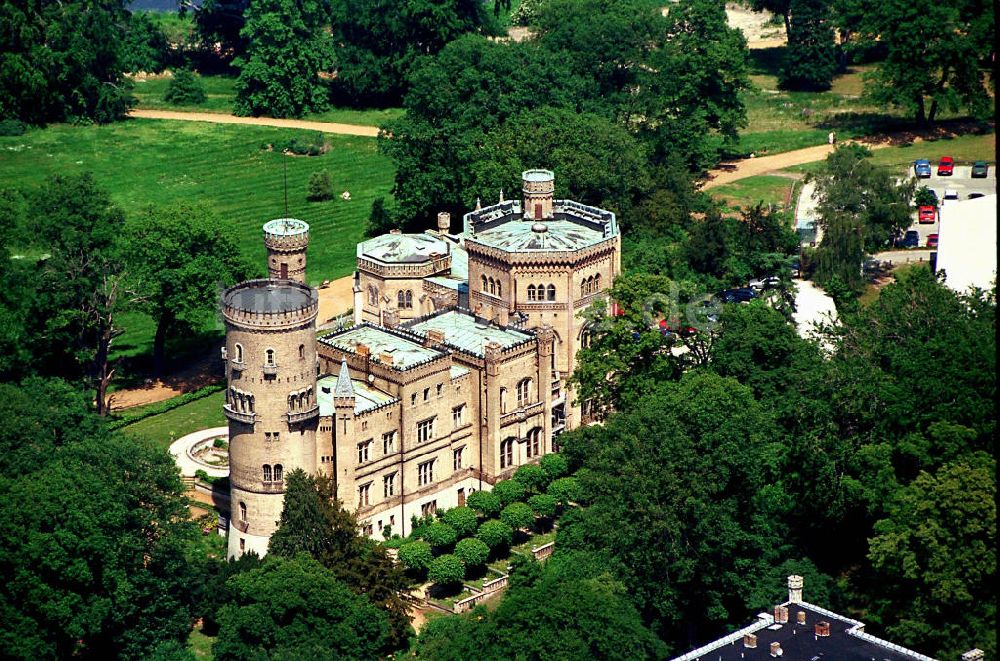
(270, 304)
(286, 234)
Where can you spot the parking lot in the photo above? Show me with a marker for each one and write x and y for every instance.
(961, 182)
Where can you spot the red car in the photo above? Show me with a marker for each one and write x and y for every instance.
(946, 167)
(927, 214)
(680, 329)
(932, 240)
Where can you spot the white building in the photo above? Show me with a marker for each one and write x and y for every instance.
(967, 243)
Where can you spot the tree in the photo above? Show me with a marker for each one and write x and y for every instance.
(485, 502)
(508, 491)
(565, 490)
(185, 88)
(380, 220)
(518, 516)
(320, 187)
(472, 552)
(780, 7)
(934, 557)
(709, 246)
(63, 61)
(145, 46)
(286, 51)
(543, 505)
(554, 465)
(920, 72)
(182, 255)
(532, 478)
(462, 520)
(811, 58)
(219, 25)
(446, 570)
(416, 556)
(495, 534)
(294, 607)
(440, 535)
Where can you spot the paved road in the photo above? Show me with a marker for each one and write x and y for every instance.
(180, 449)
(219, 118)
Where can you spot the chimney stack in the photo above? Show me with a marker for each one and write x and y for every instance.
(538, 187)
(822, 629)
(750, 640)
(780, 614)
(444, 222)
(776, 650)
(795, 589)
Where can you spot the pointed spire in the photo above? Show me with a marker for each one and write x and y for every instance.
(344, 387)
(501, 195)
(479, 205)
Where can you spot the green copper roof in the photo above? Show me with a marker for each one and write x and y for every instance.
(403, 248)
(524, 235)
(464, 331)
(366, 398)
(405, 353)
(286, 226)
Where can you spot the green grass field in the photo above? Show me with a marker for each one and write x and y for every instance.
(143, 162)
(769, 189)
(167, 427)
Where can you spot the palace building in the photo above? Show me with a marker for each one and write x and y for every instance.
(453, 374)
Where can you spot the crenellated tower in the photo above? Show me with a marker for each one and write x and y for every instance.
(286, 240)
(271, 401)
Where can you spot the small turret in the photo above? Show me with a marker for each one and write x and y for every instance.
(286, 240)
(538, 187)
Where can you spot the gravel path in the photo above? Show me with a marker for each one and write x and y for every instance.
(219, 118)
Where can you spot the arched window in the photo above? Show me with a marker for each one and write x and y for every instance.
(597, 282)
(400, 299)
(277, 473)
(269, 357)
(372, 295)
(507, 453)
(243, 511)
(503, 400)
(250, 403)
(534, 447)
(493, 286)
(523, 392)
(485, 289)
(583, 288)
(302, 352)
(531, 292)
(499, 289)
(409, 299)
(551, 291)
(238, 350)
(267, 472)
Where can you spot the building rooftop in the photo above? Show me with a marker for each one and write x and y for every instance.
(403, 248)
(573, 226)
(366, 397)
(269, 296)
(405, 353)
(286, 226)
(464, 331)
(967, 243)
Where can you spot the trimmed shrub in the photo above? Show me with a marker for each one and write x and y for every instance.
(495, 534)
(462, 519)
(486, 503)
(532, 478)
(543, 505)
(307, 144)
(554, 465)
(508, 491)
(518, 516)
(446, 570)
(416, 556)
(925, 197)
(394, 542)
(320, 187)
(185, 88)
(473, 552)
(11, 127)
(565, 490)
(440, 535)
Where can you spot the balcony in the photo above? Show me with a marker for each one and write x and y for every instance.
(270, 369)
(295, 417)
(522, 413)
(242, 526)
(237, 366)
(239, 416)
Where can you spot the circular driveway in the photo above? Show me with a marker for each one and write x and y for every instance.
(183, 452)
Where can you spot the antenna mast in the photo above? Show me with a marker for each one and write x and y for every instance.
(285, 162)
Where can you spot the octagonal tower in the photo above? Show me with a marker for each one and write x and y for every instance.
(271, 401)
(286, 240)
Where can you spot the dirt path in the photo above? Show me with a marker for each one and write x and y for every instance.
(219, 118)
(727, 173)
(197, 374)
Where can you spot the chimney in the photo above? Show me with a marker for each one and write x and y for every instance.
(749, 640)
(800, 617)
(395, 231)
(362, 350)
(823, 629)
(538, 187)
(780, 614)
(795, 589)
(444, 222)
(385, 358)
(776, 650)
(434, 336)
(973, 655)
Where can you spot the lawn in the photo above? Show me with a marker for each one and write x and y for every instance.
(200, 644)
(167, 427)
(225, 167)
(769, 189)
(221, 90)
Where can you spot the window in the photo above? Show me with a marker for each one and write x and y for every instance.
(243, 545)
(493, 286)
(425, 473)
(271, 436)
(363, 491)
(551, 291)
(269, 357)
(440, 389)
(507, 453)
(409, 299)
(372, 295)
(302, 352)
(389, 485)
(366, 529)
(458, 416)
(499, 289)
(457, 457)
(534, 447)
(243, 511)
(267, 472)
(523, 392)
(413, 399)
(404, 299)
(425, 430)
(392, 520)
(583, 288)
(364, 450)
(428, 509)
(484, 287)
(503, 400)
(597, 282)
(277, 473)
(389, 443)
(531, 292)
(427, 394)
(238, 349)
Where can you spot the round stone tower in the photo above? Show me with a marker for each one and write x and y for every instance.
(538, 187)
(270, 401)
(286, 240)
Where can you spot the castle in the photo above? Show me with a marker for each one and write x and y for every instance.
(453, 374)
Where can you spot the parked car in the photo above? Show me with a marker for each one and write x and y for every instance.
(679, 329)
(740, 295)
(922, 168)
(946, 167)
(910, 240)
(980, 169)
(975, 194)
(927, 214)
(951, 194)
(767, 282)
(932, 240)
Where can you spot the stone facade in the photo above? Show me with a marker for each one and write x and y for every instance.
(286, 240)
